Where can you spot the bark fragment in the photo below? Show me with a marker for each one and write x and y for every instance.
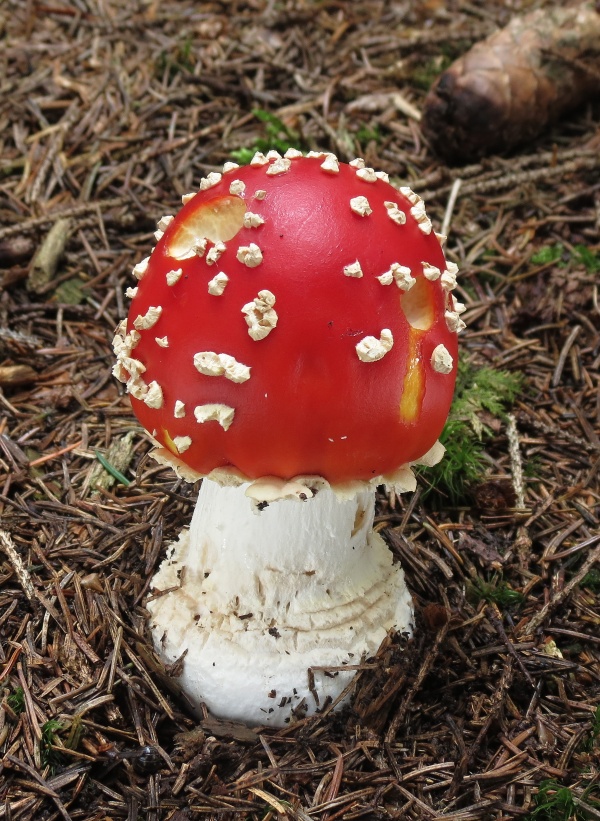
(16, 375)
(48, 256)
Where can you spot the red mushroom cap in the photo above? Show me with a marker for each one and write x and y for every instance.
(295, 318)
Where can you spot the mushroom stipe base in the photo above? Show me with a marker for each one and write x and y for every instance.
(258, 598)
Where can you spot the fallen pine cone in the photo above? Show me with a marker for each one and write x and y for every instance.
(508, 88)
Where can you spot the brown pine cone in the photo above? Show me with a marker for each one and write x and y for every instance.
(508, 88)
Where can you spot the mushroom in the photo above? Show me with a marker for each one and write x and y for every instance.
(292, 340)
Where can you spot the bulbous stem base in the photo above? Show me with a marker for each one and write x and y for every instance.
(259, 599)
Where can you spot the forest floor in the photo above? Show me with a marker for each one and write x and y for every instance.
(110, 110)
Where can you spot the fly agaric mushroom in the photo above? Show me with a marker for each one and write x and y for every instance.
(293, 340)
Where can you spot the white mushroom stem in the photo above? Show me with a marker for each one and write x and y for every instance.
(258, 598)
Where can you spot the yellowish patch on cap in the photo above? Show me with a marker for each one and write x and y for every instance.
(169, 443)
(413, 388)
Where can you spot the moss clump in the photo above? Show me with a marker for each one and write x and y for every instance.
(16, 700)
(555, 802)
(494, 592)
(480, 393)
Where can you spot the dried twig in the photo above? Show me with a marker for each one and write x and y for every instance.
(536, 621)
(7, 545)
